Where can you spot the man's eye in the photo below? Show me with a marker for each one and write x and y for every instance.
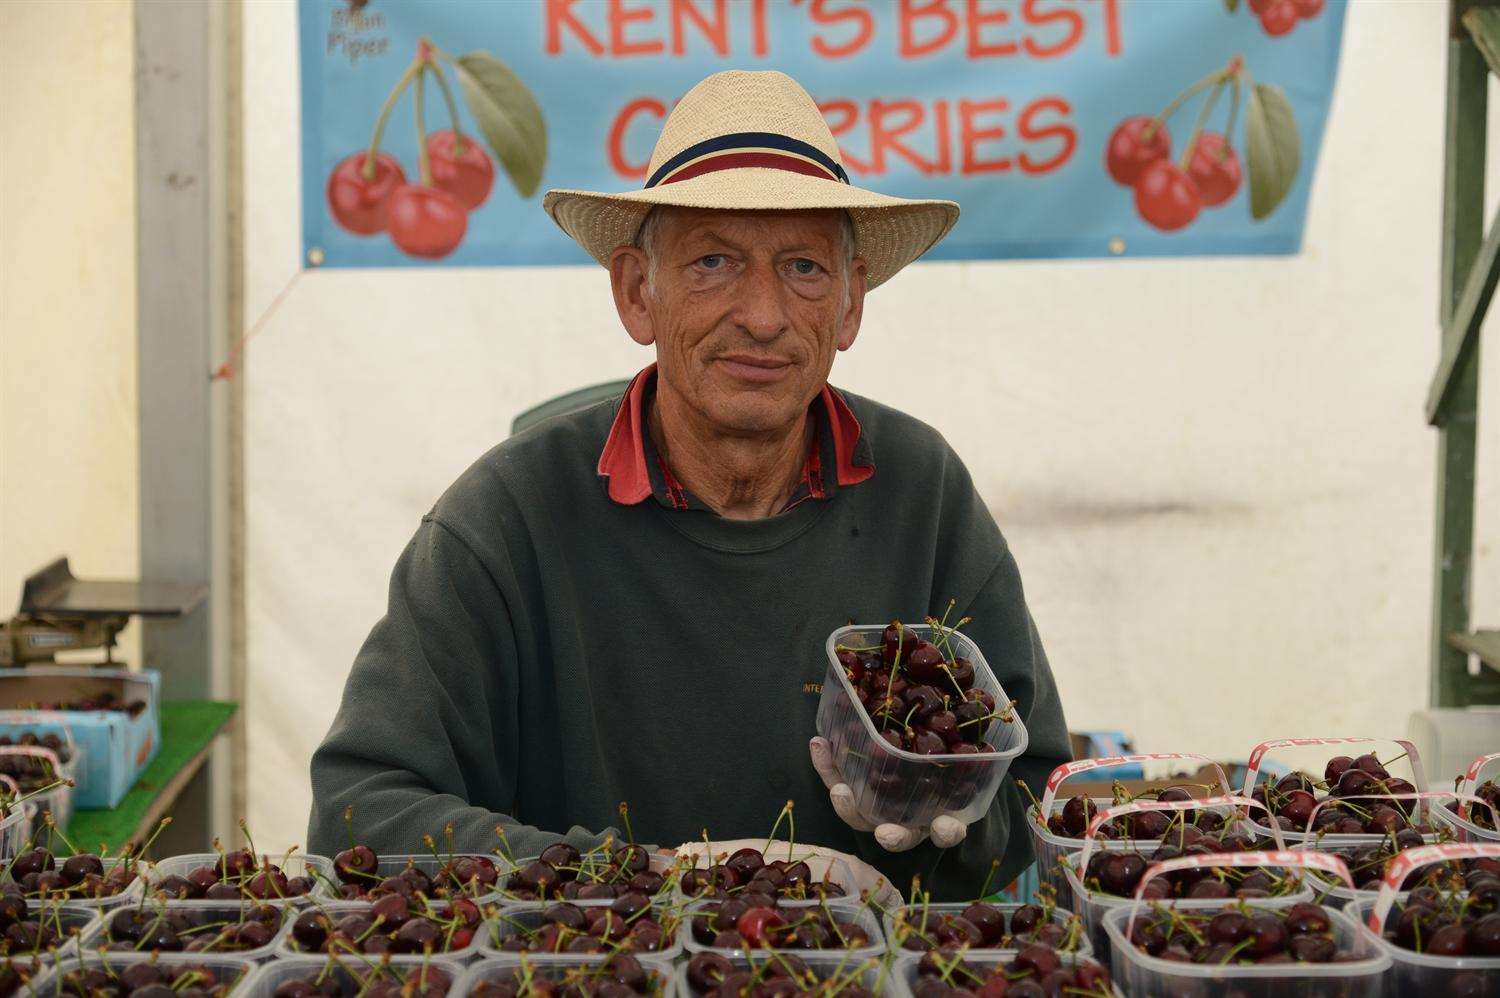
(711, 262)
(805, 267)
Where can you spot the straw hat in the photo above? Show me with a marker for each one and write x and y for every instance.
(743, 140)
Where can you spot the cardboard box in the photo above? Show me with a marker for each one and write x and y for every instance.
(114, 745)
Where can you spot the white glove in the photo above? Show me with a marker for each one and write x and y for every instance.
(945, 830)
(866, 879)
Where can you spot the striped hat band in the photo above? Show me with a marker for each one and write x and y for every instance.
(767, 150)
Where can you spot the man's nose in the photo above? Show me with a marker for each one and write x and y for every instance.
(762, 310)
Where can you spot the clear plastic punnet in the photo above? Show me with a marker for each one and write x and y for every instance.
(843, 913)
(1462, 817)
(841, 968)
(264, 981)
(1094, 905)
(231, 972)
(1140, 973)
(132, 891)
(295, 864)
(1420, 973)
(1051, 847)
(58, 800)
(1357, 745)
(667, 866)
(503, 969)
(78, 926)
(898, 919)
(16, 826)
(1337, 895)
(825, 869)
(390, 866)
(516, 919)
(904, 970)
(892, 784)
(288, 945)
(204, 919)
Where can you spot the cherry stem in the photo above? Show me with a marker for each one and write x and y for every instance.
(458, 135)
(1203, 112)
(368, 171)
(1234, 115)
(1161, 119)
(424, 162)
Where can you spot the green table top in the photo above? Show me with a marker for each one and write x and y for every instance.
(187, 728)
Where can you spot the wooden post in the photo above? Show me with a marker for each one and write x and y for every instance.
(1463, 214)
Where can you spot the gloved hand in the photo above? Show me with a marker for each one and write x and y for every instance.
(866, 879)
(945, 830)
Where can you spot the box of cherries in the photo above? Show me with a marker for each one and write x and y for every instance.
(918, 723)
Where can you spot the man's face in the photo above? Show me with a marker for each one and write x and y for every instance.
(746, 309)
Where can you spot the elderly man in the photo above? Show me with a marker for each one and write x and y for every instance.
(629, 603)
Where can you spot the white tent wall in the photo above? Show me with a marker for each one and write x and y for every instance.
(1215, 473)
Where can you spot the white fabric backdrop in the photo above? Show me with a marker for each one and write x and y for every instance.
(1215, 474)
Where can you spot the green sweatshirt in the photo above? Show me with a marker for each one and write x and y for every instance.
(548, 653)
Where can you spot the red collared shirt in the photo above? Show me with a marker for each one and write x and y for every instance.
(635, 471)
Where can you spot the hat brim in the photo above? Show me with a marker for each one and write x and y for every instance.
(889, 232)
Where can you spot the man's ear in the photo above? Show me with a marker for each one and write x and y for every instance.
(627, 278)
(854, 311)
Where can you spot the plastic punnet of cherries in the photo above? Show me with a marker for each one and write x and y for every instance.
(1344, 802)
(920, 694)
(1170, 195)
(369, 192)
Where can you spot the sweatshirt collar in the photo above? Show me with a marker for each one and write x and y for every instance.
(626, 467)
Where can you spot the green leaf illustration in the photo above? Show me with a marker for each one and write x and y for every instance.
(1231, 5)
(1274, 147)
(508, 115)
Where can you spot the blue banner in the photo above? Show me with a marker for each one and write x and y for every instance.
(1065, 128)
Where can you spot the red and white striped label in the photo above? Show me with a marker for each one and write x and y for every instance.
(1471, 777)
(1403, 863)
(1285, 858)
(1137, 806)
(1257, 754)
(1070, 769)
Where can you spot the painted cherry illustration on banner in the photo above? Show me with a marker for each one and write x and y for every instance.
(426, 221)
(1166, 196)
(359, 189)
(1169, 195)
(1135, 144)
(1279, 17)
(1214, 169)
(460, 167)
(426, 215)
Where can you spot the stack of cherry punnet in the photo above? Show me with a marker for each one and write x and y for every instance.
(49, 873)
(157, 927)
(620, 976)
(1058, 822)
(1474, 813)
(362, 875)
(1355, 795)
(917, 723)
(347, 977)
(1036, 970)
(392, 924)
(629, 923)
(562, 872)
(141, 977)
(921, 926)
(752, 975)
(1443, 936)
(763, 878)
(1242, 946)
